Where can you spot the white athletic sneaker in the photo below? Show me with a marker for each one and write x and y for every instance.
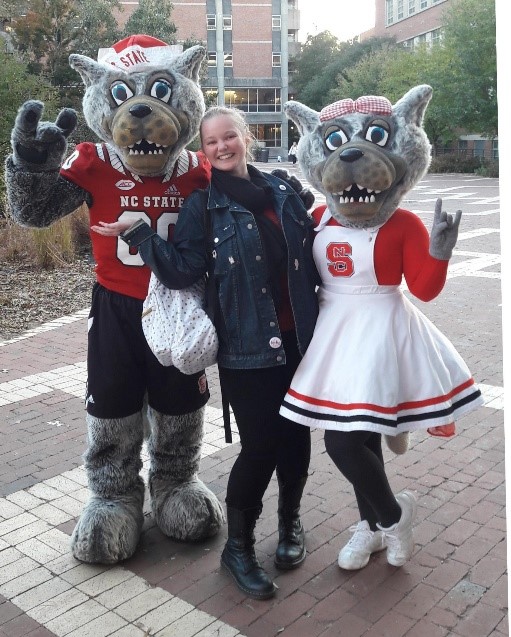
(358, 550)
(399, 536)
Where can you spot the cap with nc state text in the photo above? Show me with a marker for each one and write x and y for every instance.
(138, 52)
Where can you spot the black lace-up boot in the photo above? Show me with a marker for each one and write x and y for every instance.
(291, 549)
(239, 558)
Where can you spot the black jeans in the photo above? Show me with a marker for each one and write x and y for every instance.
(358, 456)
(268, 441)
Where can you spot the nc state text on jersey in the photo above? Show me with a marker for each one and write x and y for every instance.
(150, 201)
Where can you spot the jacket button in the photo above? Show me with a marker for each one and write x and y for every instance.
(258, 257)
(282, 187)
(249, 226)
(279, 358)
(275, 342)
(263, 290)
(272, 323)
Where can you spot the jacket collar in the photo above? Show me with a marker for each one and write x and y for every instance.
(281, 190)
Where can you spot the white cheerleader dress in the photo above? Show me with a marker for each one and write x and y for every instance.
(375, 362)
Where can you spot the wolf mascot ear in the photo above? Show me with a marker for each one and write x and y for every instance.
(143, 101)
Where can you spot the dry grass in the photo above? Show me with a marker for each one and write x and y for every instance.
(46, 248)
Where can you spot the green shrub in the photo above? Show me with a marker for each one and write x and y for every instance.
(454, 164)
(488, 168)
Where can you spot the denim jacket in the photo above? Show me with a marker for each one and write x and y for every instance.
(223, 241)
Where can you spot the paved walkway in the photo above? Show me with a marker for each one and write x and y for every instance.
(455, 584)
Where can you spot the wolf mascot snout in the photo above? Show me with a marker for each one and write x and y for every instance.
(143, 101)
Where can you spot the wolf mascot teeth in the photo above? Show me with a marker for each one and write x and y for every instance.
(143, 101)
(395, 372)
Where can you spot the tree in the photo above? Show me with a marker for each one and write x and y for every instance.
(362, 76)
(49, 30)
(323, 60)
(16, 86)
(470, 43)
(152, 17)
(462, 69)
(317, 54)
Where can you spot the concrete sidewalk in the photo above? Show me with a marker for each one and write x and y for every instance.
(455, 584)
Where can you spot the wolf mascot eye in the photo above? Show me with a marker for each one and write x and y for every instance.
(140, 169)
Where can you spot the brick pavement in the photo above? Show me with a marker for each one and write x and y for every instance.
(455, 584)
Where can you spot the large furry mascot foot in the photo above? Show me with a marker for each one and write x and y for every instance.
(109, 529)
(183, 507)
(110, 525)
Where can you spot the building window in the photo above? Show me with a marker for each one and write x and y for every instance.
(254, 100)
(400, 9)
(389, 12)
(462, 146)
(276, 22)
(424, 4)
(269, 135)
(276, 59)
(436, 36)
(479, 148)
(495, 149)
(228, 59)
(227, 21)
(211, 22)
(411, 7)
(212, 58)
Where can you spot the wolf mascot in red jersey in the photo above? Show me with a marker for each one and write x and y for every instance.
(143, 101)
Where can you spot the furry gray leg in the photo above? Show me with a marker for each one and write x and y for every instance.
(183, 507)
(398, 444)
(110, 525)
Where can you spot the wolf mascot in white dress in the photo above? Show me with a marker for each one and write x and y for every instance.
(376, 363)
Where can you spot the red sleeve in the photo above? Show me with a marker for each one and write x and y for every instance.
(318, 213)
(402, 248)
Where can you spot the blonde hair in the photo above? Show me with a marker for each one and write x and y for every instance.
(238, 118)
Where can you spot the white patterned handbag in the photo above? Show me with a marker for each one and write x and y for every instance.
(177, 328)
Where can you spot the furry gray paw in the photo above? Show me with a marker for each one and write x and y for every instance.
(398, 444)
(108, 531)
(305, 194)
(42, 144)
(187, 512)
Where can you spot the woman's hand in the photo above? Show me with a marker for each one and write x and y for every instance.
(112, 229)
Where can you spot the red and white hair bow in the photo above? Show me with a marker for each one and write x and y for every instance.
(367, 104)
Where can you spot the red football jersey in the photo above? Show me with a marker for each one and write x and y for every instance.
(119, 195)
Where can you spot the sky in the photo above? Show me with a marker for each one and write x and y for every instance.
(343, 18)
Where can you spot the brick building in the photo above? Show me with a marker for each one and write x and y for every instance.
(248, 46)
(411, 22)
(414, 22)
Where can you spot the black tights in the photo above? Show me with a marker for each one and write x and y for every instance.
(268, 441)
(358, 456)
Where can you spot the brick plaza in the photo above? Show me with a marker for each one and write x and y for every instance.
(455, 583)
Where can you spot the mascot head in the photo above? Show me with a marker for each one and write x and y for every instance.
(143, 98)
(364, 155)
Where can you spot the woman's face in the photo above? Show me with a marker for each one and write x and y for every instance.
(224, 145)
